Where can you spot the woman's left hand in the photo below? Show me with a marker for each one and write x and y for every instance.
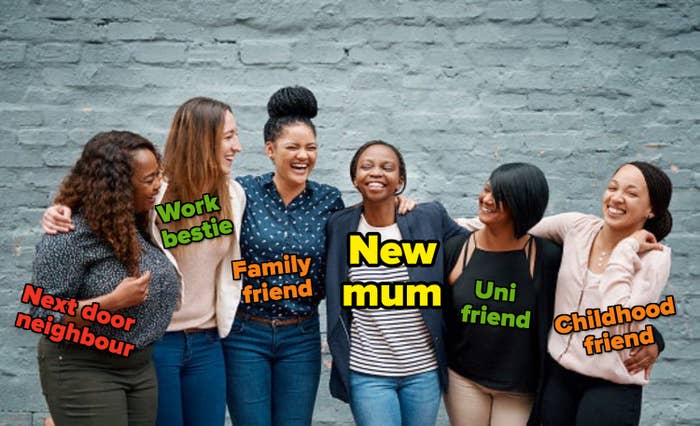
(642, 358)
(405, 204)
(646, 240)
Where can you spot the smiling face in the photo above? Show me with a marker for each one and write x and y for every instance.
(377, 175)
(294, 153)
(491, 212)
(145, 178)
(626, 204)
(230, 146)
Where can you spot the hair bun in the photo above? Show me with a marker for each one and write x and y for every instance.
(660, 225)
(294, 101)
(660, 188)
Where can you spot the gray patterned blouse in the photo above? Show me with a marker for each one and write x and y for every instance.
(79, 265)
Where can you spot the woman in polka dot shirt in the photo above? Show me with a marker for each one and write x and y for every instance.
(273, 358)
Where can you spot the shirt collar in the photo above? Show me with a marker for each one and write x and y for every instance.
(267, 182)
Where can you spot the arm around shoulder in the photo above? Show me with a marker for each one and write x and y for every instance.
(471, 224)
(556, 227)
(631, 279)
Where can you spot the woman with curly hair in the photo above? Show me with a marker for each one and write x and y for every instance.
(199, 151)
(286, 213)
(108, 259)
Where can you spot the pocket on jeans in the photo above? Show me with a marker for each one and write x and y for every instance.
(51, 363)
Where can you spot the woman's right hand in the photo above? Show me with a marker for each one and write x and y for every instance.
(131, 291)
(642, 358)
(57, 218)
(646, 240)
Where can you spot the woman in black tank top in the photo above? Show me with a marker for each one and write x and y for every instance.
(499, 302)
(492, 340)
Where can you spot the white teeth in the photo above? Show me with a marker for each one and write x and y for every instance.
(375, 185)
(614, 211)
(487, 210)
(300, 166)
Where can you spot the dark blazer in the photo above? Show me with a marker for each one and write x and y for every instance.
(428, 221)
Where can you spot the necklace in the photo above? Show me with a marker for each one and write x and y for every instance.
(604, 252)
(602, 257)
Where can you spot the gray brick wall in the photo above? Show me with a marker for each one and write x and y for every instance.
(576, 87)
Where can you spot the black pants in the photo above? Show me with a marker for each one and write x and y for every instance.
(574, 399)
(88, 387)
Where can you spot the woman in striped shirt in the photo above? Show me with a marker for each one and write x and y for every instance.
(390, 364)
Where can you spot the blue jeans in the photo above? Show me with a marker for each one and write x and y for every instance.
(272, 372)
(385, 401)
(191, 379)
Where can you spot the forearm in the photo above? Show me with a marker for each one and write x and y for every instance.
(109, 302)
(630, 281)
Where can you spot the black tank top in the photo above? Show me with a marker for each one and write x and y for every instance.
(492, 336)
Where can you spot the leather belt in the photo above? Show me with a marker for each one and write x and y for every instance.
(197, 330)
(274, 322)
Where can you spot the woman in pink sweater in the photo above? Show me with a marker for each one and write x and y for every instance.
(616, 260)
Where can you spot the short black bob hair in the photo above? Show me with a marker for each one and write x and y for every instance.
(522, 188)
(363, 148)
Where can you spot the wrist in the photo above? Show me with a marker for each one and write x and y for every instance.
(110, 301)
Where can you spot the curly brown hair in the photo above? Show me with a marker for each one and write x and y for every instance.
(99, 187)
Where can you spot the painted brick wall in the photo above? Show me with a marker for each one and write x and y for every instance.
(576, 87)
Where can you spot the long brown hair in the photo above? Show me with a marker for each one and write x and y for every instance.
(191, 159)
(99, 187)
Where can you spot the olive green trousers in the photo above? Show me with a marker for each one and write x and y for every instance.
(86, 387)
